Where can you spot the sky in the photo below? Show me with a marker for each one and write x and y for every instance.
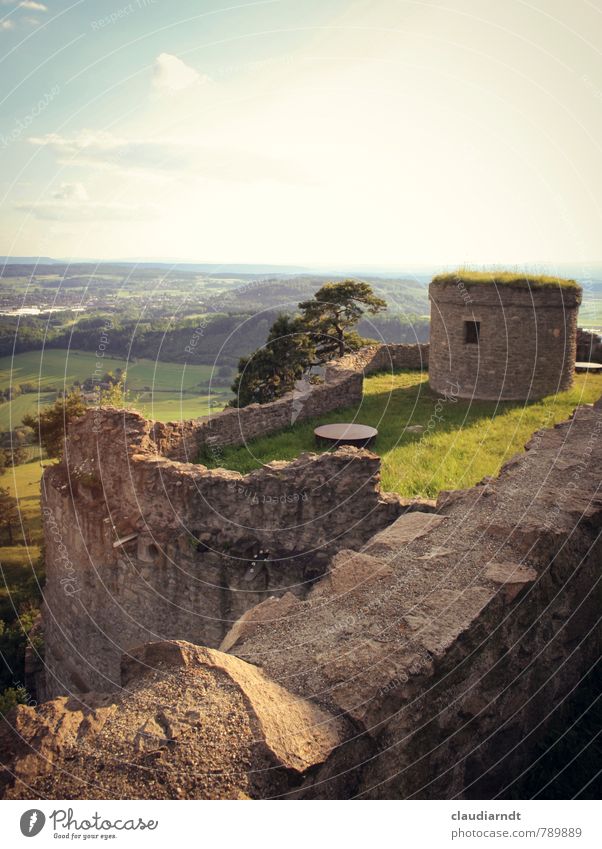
(381, 133)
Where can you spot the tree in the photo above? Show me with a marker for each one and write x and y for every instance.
(51, 423)
(9, 513)
(323, 330)
(334, 311)
(271, 371)
(115, 395)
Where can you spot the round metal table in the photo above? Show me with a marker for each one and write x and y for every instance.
(346, 434)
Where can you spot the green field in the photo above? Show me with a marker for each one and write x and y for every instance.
(590, 314)
(19, 563)
(466, 442)
(164, 391)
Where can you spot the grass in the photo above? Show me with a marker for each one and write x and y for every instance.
(167, 407)
(177, 390)
(12, 412)
(506, 278)
(59, 368)
(19, 563)
(469, 441)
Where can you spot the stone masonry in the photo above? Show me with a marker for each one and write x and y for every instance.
(140, 546)
(526, 340)
(427, 663)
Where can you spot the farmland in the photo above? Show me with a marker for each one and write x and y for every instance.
(160, 390)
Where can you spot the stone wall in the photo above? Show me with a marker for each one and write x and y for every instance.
(342, 387)
(526, 347)
(589, 346)
(427, 663)
(451, 639)
(142, 547)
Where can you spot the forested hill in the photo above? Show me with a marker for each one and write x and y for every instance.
(154, 313)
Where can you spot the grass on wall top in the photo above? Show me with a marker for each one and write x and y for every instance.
(512, 279)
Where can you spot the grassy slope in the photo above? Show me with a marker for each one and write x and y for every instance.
(59, 368)
(471, 440)
(18, 563)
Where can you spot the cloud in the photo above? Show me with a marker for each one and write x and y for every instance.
(76, 210)
(170, 74)
(32, 6)
(5, 25)
(166, 158)
(99, 149)
(71, 191)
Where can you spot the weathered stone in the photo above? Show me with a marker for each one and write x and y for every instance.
(268, 612)
(392, 541)
(189, 717)
(526, 346)
(351, 571)
(513, 577)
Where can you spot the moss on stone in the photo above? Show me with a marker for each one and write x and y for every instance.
(514, 279)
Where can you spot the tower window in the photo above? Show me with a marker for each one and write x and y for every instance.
(472, 331)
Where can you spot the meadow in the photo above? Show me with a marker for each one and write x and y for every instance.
(161, 390)
(19, 563)
(460, 442)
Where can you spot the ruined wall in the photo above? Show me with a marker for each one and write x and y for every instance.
(589, 346)
(191, 534)
(526, 347)
(140, 547)
(342, 387)
(427, 663)
(451, 639)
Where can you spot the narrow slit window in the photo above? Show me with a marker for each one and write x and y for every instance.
(472, 331)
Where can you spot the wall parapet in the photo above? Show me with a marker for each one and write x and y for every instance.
(342, 387)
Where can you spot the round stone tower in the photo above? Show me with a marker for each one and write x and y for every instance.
(501, 336)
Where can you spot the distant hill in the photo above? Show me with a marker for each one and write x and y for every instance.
(29, 260)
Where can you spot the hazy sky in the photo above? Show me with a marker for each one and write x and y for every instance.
(377, 132)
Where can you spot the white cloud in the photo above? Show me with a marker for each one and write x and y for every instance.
(71, 191)
(5, 25)
(170, 74)
(141, 157)
(32, 6)
(78, 210)
(167, 157)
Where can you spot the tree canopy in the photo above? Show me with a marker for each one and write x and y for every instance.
(324, 329)
(333, 313)
(51, 423)
(271, 371)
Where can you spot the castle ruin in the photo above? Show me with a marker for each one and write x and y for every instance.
(364, 645)
(502, 341)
